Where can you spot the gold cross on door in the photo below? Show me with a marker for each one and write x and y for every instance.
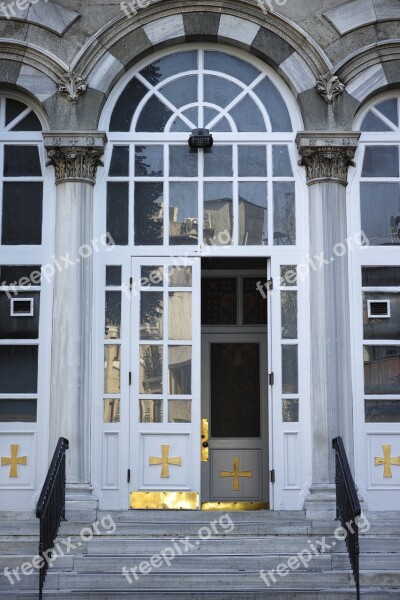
(236, 474)
(165, 461)
(14, 460)
(387, 461)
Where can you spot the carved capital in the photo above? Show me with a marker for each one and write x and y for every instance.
(75, 157)
(329, 87)
(72, 86)
(327, 157)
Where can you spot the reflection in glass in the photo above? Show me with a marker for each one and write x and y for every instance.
(380, 213)
(148, 161)
(119, 165)
(281, 162)
(179, 411)
(382, 328)
(382, 411)
(219, 301)
(126, 105)
(382, 369)
(253, 213)
(254, 305)
(275, 105)
(18, 369)
(252, 161)
(247, 116)
(112, 365)
(182, 162)
(151, 362)
(218, 217)
(290, 377)
(151, 411)
(289, 315)
(180, 370)
(180, 316)
(219, 91)
(290, 410)
(170, 65)
(231, 65)
(151, 315)
(381, 161)
(154, 116)
(284, 214)
(149, 213)
(183, 215)
(288, 275)
(218, 162)
(180, 276)
(18, 410)
(111, 410)
(181, 92)
(118, 211)
(113, 315)
(152, 276)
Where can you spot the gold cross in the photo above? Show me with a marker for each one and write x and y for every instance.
(14, 460)
(387, 460)
(165, 461)
(236, 474)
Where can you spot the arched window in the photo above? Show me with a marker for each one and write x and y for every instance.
(240, 192)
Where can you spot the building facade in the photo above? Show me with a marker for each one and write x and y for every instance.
(199, 252)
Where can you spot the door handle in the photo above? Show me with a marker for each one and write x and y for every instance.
(204, 438)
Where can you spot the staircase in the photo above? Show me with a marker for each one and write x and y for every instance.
(199, 555)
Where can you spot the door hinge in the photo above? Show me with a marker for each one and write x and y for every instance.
(271, 378)
(129, 476)
(270, 285)
(130, 378)
(130, 283)
(272, 476)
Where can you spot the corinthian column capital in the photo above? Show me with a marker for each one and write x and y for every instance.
(327, 156)
(75, 156)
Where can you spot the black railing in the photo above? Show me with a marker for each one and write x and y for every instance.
(51, 508)
(347, 507)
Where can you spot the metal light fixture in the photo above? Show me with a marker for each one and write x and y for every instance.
(200, 138)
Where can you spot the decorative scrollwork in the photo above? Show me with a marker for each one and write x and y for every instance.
(330, 87)
(72, 86)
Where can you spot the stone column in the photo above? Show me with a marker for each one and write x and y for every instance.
(327, 157)
(75, 157)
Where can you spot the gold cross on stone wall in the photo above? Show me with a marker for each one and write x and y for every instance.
(236, 474)
(387, 461)
(165, 461)
(14, 460)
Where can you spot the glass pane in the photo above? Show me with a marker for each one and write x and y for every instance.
(21, 161)
(19, 327)
(113, 275)
(178, 125)
(179, 411)
(290, 377)
(170, 65)
(118, 212)
(154, 116)
(218, 217)
(252, 161)
(181, 91)
(180, 370)
(253, 213)
(180, 276)
(183, 213)
(20, 275)
(289, 315)
(254, 305)
(182, 162)
(18, 369)
(219, 91)
(381, 161)
(23, 411)
(152, 276)
(380, 276)
(149, 214)
(231, 65)
(28, 123)
(218, 162)
(180, 316)
(373, 123)
(382, 411)
(218, 301)
(151, 367)
(112, 363)
(22, 213)
(151, 315)
(113, 315)
(281, 162)
(389, 109)
(151, 411)
(119, 165)
(149, 161)
(13, 109)
(247, 116)
(290, 410)
(284, 214)
(111, 410)
(235, 390)
(222, 125)
(288, 275)
(380, 213)
(382, 328)
(382, 369)
(275, 105)
(126, 105)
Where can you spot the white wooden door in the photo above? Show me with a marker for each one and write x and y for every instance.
(165, 389)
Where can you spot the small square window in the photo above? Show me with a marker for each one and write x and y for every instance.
(21, 307)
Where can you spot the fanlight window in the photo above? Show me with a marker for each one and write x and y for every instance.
(239, 192)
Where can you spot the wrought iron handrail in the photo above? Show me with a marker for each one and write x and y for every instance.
(50, 508)
(347, 507)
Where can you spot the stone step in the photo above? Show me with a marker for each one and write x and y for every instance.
(202, 516)
(369, 562)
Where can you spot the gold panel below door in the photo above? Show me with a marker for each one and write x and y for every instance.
(164, 500)
(235, 506)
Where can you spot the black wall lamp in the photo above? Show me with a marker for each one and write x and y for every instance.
(200, 138)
